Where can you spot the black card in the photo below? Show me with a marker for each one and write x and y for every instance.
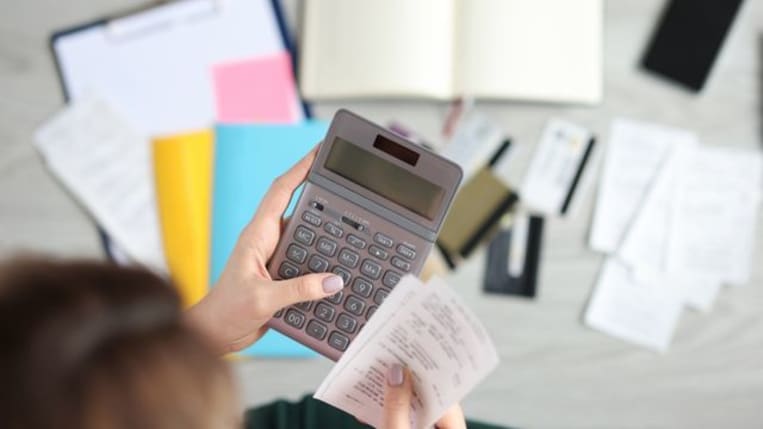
(498, 276)
(688, 39)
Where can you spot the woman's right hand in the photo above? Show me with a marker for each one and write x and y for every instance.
(397, 403)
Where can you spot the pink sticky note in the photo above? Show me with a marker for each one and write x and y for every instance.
(257, 90)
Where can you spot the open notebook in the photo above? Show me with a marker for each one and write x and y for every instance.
(541, 50)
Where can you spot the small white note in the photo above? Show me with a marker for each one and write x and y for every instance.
(717, 205)
(645, 244)
(474, 142)
(638, 310)
(556, 168)
(635, 152)
(106, 164)
(429, 330)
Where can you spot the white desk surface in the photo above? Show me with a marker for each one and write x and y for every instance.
(554, 371)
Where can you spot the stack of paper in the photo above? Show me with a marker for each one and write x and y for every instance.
(677, 220)
(426, 328)
(179, 75)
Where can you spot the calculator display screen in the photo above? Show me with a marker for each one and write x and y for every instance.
(385, 178)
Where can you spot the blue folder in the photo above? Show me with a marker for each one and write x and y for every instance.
(247, 160)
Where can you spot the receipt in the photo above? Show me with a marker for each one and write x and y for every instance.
(638, 310)
(635, 154)
(429, 330)
(106, 164)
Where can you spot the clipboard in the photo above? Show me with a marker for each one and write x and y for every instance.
(122, 48)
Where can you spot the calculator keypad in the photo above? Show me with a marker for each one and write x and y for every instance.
(370, 265)
(378, 253)
(288, 271)
(326, 246)
(318, 264)
(371, 269)
(296, 253)
(316, 329)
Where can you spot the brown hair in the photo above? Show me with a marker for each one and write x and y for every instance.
(91, 345)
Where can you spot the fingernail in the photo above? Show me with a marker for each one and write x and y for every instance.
(395, 375)
(333, 284)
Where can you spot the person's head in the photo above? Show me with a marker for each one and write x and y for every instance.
(90, 345)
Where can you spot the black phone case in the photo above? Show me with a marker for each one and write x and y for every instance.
(688, 38)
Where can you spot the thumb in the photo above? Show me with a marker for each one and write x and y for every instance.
(310, 287)
(397, 398)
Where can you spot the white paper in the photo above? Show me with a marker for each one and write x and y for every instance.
(554, 166)
(429, 330)
(443, 49)
(633, 309)
(107, 166)
(520, 232)
(474, 142)
(645, 244)
(635, 153)
(717, 205)
(154, 66)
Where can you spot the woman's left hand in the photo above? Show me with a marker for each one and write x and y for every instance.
(234, 313)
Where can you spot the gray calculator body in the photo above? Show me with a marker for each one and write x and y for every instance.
(370, 211)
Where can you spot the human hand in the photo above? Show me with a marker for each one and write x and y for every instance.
(234, 313)
(397, 403)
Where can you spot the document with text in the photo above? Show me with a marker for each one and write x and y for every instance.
(106, 164)
(426, 328)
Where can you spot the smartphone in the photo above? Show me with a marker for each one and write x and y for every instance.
(370, 211)
(688, 39)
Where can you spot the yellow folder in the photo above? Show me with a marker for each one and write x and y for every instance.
(183, 175)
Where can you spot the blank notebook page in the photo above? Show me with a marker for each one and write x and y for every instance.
(377, 48)
(546, 50)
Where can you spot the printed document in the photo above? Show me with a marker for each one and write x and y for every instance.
(106, 164)
(429, 330)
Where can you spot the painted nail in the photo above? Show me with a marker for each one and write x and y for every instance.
(395, 375)
(333, 284)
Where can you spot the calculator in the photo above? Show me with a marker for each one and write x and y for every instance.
(370, 211)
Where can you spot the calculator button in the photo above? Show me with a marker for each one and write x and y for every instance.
(371, 311)
(336, 298)
(317, 264)
(406, 251)
(400, 264)
(324, 312)
(380, 296)
(333, 230)
(287, 270)
(316, 329)
(348, 258)
(346, 323)
(362, 287)
(378, 252)
(338, 341)
(296, 253)
(304, 306)
(326, 246)
(304, 235)
(312, 218)
(295, 318)
(390, 278)
(356, 242)
(355, 305)
(371, 269)
(344, 274)
(383, 239)
(316, 205)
